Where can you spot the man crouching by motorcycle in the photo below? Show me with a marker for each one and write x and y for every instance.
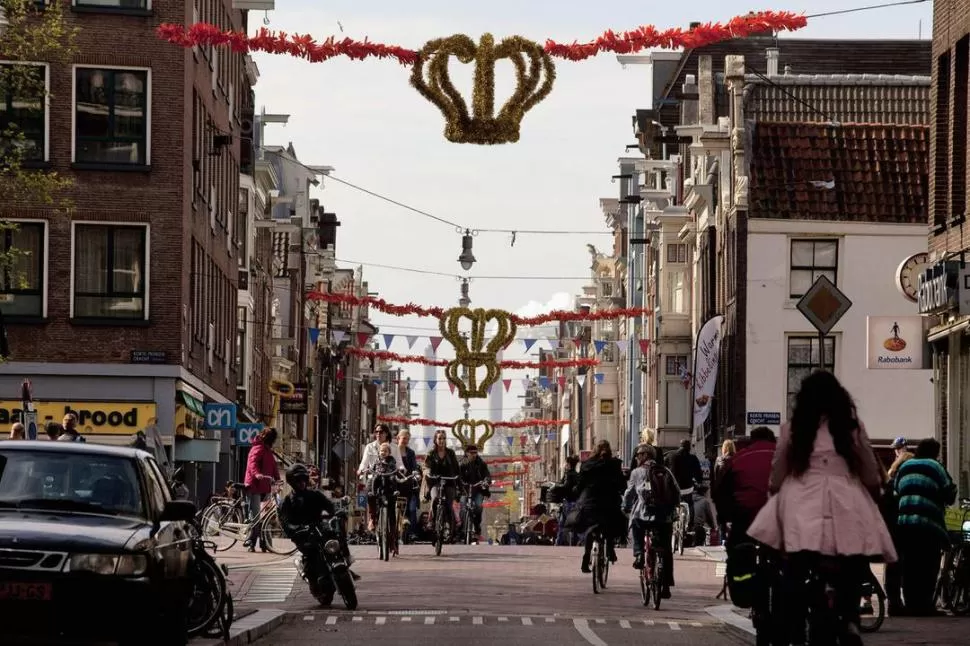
(300, 512)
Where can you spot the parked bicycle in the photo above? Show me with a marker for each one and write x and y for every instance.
(652, 574)
(953, 586)
(227, 520)
(468, 512)
(599, 560)
(444, 519)
(210, 602)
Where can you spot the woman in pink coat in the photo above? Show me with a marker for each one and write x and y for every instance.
(826, 480)
(261, 473)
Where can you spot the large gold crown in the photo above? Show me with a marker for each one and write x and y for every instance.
(531, 62)
(472, 352)
(464, 431)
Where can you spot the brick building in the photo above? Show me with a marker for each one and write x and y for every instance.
(941, 286)
(127, 310)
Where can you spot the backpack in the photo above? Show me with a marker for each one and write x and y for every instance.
(654, 492)
(742, 574)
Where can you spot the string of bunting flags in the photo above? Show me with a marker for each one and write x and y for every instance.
(420, 421)
(543, 382)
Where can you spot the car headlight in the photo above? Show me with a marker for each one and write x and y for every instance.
(111, 564)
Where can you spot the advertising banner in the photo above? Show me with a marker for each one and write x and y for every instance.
(707, 358)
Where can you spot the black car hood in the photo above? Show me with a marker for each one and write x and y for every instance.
(69, 532)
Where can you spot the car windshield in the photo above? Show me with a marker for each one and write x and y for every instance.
(71, 482)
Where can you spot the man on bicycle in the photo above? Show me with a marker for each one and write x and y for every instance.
(303, 509)
(687, 470)
(651, 498)
(476, 479)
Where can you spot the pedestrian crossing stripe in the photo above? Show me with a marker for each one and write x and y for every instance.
(479, 620)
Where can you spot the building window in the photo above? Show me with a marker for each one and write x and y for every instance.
(22, 262)
(242, 227)
(23, 114)
(675, 364)
(111, 110)
(110, 271)
(143, 5)
(676, 394)
(809, 260)
(676, 291)
(803, 359)
(677, 253)
(241, 341)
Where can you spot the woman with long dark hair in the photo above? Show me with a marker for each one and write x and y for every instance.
(261, 473)
(599, 487)
(826, 480)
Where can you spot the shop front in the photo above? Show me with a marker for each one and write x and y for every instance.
(103, 422)
(943, 297)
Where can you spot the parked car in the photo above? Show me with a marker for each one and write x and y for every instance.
(92, 546)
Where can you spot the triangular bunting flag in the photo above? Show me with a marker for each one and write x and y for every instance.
(599, 346)
(435, 342)
(451, 387)
(411, 340)
(432, 384)
(544, 382)
(314, 335)
(338, 336)
(376, 382)
(526, 382)
(528, 343)
(621, 345)
(581, 380)
(644, 346)
(510, 440)
(507, 383)
(562, 382)
(363, 338)
(550, 436)
(599, 376)
(554, 342)
(388, 340)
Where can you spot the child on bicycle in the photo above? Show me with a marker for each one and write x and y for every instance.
(651, 499)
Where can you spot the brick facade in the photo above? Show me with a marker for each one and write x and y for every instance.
(192, 268)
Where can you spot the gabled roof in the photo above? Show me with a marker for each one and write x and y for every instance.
(852, 172)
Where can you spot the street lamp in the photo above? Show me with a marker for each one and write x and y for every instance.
(464, 301)
(467, 258)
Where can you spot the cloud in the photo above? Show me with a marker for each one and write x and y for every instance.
(559, 301)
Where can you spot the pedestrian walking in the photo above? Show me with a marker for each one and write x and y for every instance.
(18, 432)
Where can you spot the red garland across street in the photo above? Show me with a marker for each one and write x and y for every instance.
(413, 358)
(437, 312)
(627, 42)
(420, 421)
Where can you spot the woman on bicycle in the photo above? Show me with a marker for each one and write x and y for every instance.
(387, 480)
(825, 479)
(261, 472)
(600, 486)
(442, 463)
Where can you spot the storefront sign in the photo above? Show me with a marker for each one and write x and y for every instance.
(246, 433)
(149, 356)
(894, 343)
(112, 418)
(220, 417)
(296, 401)
(764, 419)
(936, 288)
(606, 407)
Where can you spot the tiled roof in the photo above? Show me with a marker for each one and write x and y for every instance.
(856, 172)
(281, 248)
(844, 98)
(804, 56)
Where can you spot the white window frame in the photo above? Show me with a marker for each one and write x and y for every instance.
(148, 259)
(667, 381)
(837, 348)
(148, 105)
(668, 307)
(47, 103)
(45, 291)
(814, 239)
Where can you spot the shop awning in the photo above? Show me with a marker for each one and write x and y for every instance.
(191, 403)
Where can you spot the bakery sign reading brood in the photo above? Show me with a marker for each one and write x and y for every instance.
(895, 343)
(115, 418)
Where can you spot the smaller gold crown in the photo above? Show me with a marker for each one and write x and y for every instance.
(464, 432)
(531, 62)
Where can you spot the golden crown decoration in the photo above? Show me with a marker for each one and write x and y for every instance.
(532, 66)
(472, 352)
(464, 431)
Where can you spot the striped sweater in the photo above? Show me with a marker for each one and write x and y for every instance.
(924, 488)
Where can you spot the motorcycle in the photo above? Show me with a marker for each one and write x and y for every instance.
(331, 564)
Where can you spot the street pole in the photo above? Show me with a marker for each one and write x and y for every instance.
(821, 351)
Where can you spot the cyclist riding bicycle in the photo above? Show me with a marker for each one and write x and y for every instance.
(600, 488)
(388, 479)
(442, 462)
(686, 468)
(382, 435)
(474, 471)
(651, 498)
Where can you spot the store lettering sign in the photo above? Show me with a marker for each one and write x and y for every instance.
(246, 433)
(106, 418)
(937, 288)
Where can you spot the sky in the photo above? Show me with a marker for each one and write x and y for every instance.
(364, 119)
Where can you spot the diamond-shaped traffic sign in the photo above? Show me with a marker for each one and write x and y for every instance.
(824, 304)
(344, 449)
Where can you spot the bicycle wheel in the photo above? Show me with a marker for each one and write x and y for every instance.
(656, 577)
(273, 536)
(439, 530)
(604, 571)
(208, 596)
(644, 586)
(595, 559)
(873, 614)
(383, 535)
(217, 516)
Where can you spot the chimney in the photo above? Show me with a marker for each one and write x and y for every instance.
(771, 57)
(688, 108)
(705, 88)
(694, 25)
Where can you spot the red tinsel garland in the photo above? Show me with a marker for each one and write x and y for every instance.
(413, 358)
(420, 421)
(628, 42)
(416, 310)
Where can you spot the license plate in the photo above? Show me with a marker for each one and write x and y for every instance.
(25, 591)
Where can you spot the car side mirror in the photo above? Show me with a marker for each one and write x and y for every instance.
(178, 510)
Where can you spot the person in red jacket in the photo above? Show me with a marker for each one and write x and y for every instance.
(741, 489)
(261, 473)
